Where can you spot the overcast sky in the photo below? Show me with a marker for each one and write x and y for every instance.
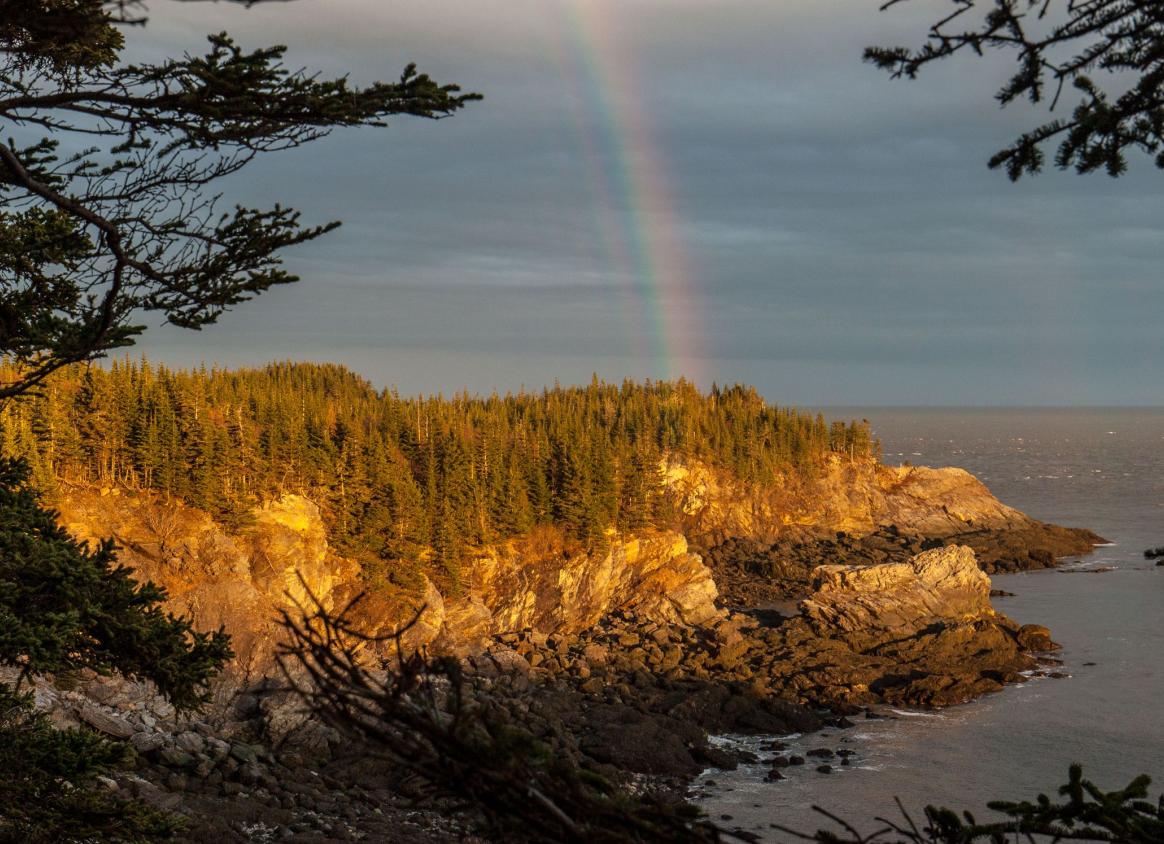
(719, 189)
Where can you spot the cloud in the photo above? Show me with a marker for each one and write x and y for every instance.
(847, 240)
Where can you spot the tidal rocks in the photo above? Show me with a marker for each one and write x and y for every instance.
(918, 632)
(1035, 637)
(642, 696)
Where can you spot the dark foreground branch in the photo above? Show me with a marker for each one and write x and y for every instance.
(1086, 814)
(425, 715)
(1110, 52)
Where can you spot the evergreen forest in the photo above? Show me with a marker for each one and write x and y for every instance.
(403, 478)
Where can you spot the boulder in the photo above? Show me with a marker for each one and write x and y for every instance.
(944, 584)
(1035, 637)
(105, 722)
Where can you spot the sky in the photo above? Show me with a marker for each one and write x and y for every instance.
(720, 190)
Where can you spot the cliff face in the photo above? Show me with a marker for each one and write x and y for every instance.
(282, 558)
(654, 576)
(242, 580)
(237, 581)
(852, 497)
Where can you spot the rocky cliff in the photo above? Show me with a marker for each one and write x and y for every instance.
(863, 499)
(241, 579)
(282, 558)
(922, 631)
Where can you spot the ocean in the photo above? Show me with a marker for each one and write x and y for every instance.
(1099, 468)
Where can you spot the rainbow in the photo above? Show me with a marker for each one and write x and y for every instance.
(631, 198)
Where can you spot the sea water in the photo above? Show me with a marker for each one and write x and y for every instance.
(1101, 469)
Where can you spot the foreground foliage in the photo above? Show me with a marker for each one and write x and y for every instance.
(1086, 814)
(111, 174)
(65, 607)
(110, 179)
(1110, 51)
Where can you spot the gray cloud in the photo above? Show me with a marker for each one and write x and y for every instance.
(848, 243)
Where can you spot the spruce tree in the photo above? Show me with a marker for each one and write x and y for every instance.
(64, 607)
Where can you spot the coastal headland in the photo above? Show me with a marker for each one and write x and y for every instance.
(767, 609)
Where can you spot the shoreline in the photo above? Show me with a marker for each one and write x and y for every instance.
(900, 758)
(637, 699)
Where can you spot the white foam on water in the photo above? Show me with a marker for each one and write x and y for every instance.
(914, 714)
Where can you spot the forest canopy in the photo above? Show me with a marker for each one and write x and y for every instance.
(398, 475)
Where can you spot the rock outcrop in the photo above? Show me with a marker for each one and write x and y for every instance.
(763, 543)
(864, 497)
(654, 575)
(920, 632)
(895, 599)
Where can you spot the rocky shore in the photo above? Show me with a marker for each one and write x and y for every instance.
(624, 663)
(627, 698)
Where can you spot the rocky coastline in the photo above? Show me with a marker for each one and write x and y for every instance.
(625, 663)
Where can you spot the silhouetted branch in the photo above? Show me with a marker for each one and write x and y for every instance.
(462, 740)
(1088, 814)
(1056, 44)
